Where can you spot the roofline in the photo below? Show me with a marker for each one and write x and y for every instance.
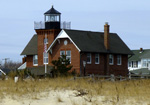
(106, 53)
(58, 37)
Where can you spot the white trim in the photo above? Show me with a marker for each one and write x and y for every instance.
(62, 34)
(23, 66)
(2, 72)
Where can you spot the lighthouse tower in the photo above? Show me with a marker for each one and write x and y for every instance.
(47, 32)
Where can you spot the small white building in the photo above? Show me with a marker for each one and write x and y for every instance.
(140, 60)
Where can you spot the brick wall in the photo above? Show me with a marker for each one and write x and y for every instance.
(75, 55)
(93, 68)
(51, 35)
(101, 67)
(119, 69)
(29, 60)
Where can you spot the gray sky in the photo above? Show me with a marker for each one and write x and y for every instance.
(130, 19)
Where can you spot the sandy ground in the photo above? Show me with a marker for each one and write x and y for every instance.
(68, 97)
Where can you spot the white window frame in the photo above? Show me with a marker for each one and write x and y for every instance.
(119, 58)
(61, 52)
(35, 57)
(130, 64)
(135, 64)
(96, 57)
(89, 62)
(111, 57)
(68, 56)
(45, 57)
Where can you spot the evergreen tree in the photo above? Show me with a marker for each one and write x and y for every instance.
(61, 66)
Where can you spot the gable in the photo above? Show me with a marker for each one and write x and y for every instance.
(62, 34)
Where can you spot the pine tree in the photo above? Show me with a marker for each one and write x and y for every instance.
(61, 66)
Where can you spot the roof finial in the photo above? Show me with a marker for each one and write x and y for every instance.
(52, 6)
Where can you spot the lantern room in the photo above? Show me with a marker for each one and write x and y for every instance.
(52, 19)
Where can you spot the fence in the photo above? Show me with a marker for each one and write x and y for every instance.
(114, 78)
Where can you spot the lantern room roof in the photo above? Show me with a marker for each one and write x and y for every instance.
(52, 11)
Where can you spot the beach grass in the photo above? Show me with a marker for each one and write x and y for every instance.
(113, 92)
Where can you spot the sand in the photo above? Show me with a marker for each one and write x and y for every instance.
(68, 97)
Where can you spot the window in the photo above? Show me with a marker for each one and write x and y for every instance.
(135, 64)
(111, 59)
(144, 63)
(45, 58)
(118, 59)
(68, 55)
(35, 60)
(96, 58)
(45, 41)
(88, 58)
(62, 53)
(130, 63)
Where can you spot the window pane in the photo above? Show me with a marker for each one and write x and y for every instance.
(96, 58)
(130, 64)
(68, 53)
(45, 58)
(62, 52)
(119, 59)
(110, 59)
(88, 58)
(35, 59)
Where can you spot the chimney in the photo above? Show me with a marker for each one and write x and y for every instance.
(141, 50)
(106, 36)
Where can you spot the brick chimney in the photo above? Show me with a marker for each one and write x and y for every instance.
(106, 36)
(141, 50)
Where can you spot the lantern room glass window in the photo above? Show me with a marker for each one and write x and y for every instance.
(52, 18)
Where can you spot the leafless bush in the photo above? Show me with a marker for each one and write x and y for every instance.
(12, 65)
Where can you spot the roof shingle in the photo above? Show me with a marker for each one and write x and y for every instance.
(88, 41)
(31, 47)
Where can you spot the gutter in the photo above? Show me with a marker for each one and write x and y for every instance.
(81, 63)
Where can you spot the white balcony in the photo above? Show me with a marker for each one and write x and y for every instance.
(39, 25)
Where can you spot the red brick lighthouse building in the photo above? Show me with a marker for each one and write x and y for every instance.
(104, 53)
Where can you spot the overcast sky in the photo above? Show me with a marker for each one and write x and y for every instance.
(130, 19)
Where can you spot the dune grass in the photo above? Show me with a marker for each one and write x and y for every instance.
(114, 92)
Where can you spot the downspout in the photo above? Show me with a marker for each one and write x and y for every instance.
(80, 64)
